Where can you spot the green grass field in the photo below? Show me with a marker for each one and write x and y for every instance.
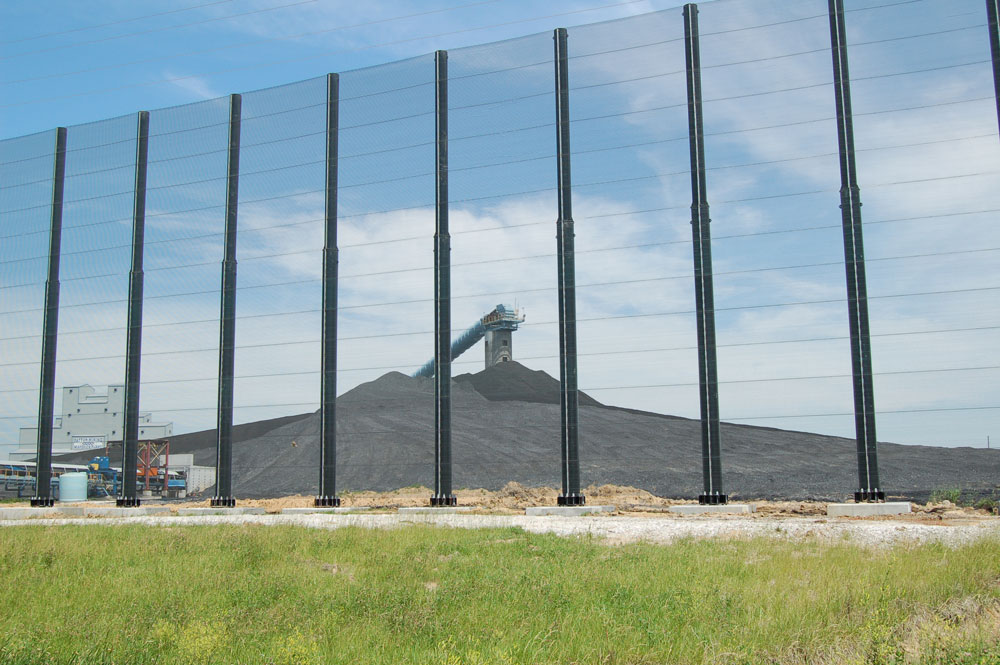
(200, 594)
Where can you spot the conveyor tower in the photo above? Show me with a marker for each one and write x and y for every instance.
(497, 327)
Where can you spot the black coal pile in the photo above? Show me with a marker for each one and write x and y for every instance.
(505, 426)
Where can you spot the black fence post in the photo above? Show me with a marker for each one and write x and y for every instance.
(331, 259)
(50, 334)
(992, 14)
(704, 290)
(443, 495)
(568, 397)
(133, 353)
(227, 336)
(869, 487)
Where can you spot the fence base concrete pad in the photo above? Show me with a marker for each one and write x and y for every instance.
(568, 511)
(26, 513)
(698, 509)
(435, 510)
(114, 511)
(867, 509)
(322, 509)
(245, 510)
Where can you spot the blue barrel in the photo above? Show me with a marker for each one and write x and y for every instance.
(73, 486)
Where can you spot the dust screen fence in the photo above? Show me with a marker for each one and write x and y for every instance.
(925, 125)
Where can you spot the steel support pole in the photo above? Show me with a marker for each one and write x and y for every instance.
(568, 397)
(869, 487)
(331, 259)
(227, 329)
(708, 378)
(443, 495)
(133, 352)
(50, 334)
(992, 14)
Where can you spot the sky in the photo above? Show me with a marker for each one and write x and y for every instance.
(926, 133)
(69, 62)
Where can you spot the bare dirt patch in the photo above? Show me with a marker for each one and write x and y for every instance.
(514, 497)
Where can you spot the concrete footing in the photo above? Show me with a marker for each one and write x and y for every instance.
(244, 510)
(568, 511)
(700, 509)
(314, 510)
(24, 513)
(434, 510)
(111, 511)
(867, 509)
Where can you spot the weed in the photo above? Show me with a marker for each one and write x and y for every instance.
(952, 494)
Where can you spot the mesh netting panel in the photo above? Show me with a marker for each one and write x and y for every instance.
(925, 127)
(94, 267)
(185, 216)
(925, 123)
(502, 175)
(280, 242)
(773, 180)
(631, 198)
(25, 208)
(386, 316)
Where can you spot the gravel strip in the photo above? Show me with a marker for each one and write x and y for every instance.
(613, 530)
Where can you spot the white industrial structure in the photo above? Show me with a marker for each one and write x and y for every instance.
(89, 420)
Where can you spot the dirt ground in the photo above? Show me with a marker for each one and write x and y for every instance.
(514, 498)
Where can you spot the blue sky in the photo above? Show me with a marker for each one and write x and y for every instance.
(59, 67)
(926, 132)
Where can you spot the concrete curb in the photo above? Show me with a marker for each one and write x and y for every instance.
(246, 510)
(322, 510)
(698, 509)
(434, 510)
(568, 511)
(867, 509)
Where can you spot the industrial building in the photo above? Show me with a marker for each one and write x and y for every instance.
(89, 420)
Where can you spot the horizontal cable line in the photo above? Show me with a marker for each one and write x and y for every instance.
(789, 195)
(593, 184)
(585, 389)
(877, 411)
(501, 260)
(222, 123)
(388, 503)
(538, 323)
(730, 31)
(499, 228)
(547, 157)
(214, 349)
(552, 425)
(427, 113)
(256, 41)
(794, 378)
(475, 408)
(720, 237)
(707, 134)
(64, 279)
(299, 165)
(132, 139)
(536, 357)
(826, 49)
(888, 4)
(322, 55)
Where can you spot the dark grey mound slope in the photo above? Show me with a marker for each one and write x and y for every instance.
(513, 382)
(505, 426)
(386, 441)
